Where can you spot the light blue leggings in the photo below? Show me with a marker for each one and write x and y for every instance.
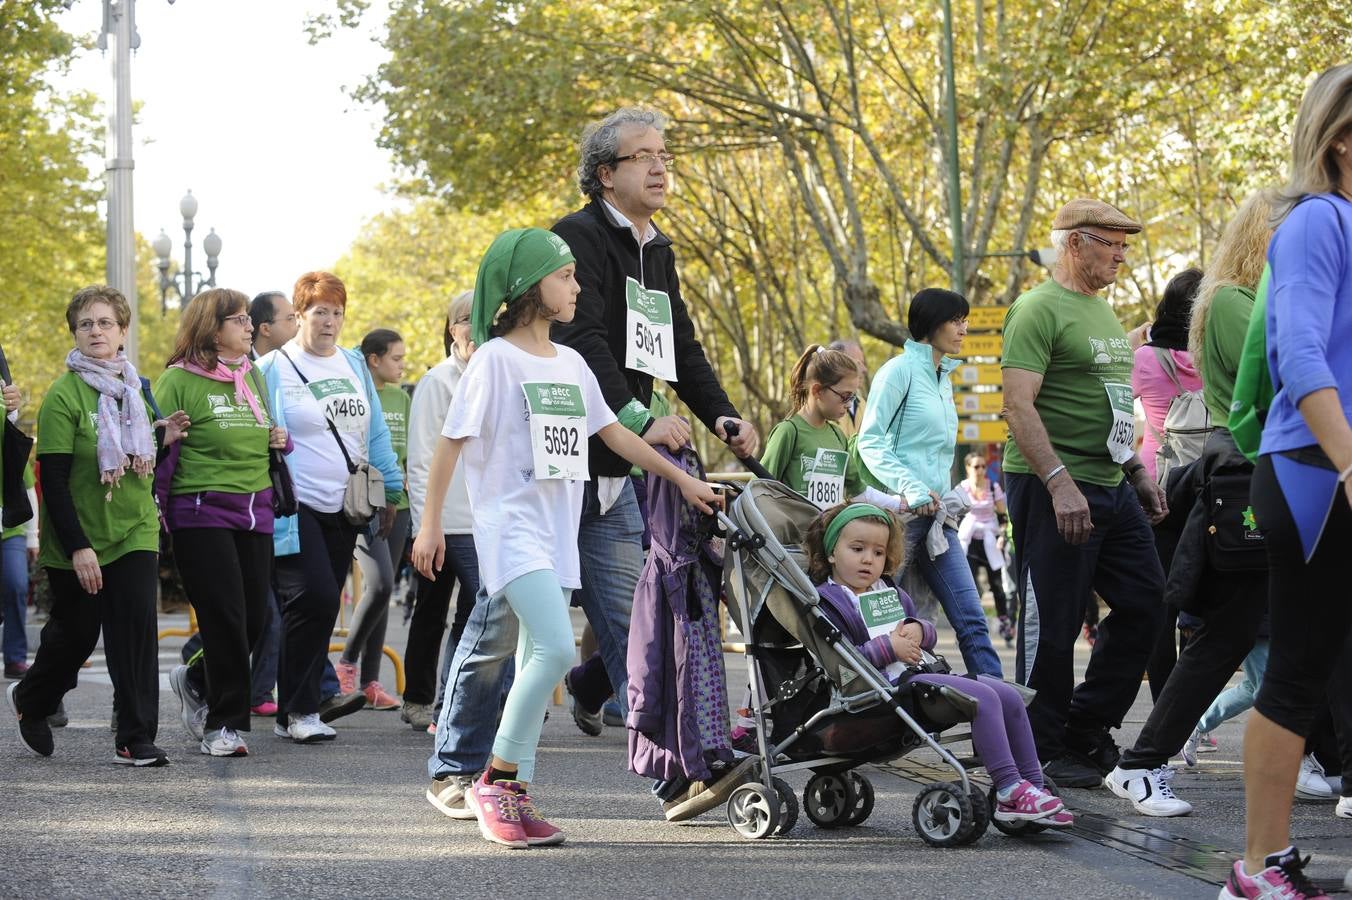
(544, 651)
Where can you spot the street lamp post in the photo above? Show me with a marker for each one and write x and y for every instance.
(164, 245)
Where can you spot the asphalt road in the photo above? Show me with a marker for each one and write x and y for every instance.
(348, 819)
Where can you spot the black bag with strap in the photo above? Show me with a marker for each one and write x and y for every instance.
(284, 502)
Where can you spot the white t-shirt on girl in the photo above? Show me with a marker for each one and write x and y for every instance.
(521, 524)
(317, 465)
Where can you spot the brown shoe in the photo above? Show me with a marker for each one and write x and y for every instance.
(702, 797)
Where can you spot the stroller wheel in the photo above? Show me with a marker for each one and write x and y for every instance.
(863, 800)
(753, 812)
(829, 800)
(1013, 829)
(943, 815)
(981, 817)
(788, 807)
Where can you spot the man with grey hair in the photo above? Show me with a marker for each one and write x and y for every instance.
(631, 326)
(1081, 502)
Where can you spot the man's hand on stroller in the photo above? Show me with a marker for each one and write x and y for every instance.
(741, 437)
(906, 638)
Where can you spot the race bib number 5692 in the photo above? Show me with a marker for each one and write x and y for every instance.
(558, 430)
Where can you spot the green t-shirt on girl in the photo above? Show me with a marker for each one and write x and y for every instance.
(1227, 321)
(1076, 343)
(794, 451)
(394, 404)
(226, 449)
(117, 519)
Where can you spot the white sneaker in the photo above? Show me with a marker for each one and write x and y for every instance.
(308, 729)
(1335, 783)
(1310, 783)
(192, 710)
(1190, 748)
(1344, 808)
(1148, 790)
(224, 742)
(448, 795)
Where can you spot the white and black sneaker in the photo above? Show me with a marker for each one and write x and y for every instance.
(306, 729)
(1310, 781)
(141, 756)
(1148, 790)
(192, 709)
(224, 742)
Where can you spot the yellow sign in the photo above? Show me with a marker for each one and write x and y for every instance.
(971, 431)
(968, 402)
(977, 373)
(986, 318)
(983, 345)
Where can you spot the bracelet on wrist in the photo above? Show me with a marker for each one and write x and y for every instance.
(1345, 474)
(1131, 473)
(1053, 473)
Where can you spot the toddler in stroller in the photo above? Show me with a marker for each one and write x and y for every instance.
(849, 549)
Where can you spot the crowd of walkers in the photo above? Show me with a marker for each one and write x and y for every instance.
(269, 454)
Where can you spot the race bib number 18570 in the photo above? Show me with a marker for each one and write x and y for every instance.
(558, 430)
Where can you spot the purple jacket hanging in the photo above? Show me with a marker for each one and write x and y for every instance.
(678, 706)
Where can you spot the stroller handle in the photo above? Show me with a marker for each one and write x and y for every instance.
(751, 463)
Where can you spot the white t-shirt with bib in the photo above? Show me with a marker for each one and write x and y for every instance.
(335, 391)
(521, 524)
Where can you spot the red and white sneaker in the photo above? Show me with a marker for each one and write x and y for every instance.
(377, 697)
(1027, 803)
(539, 833)
(347, 676)
(1283, 879)
(497, 807)
(1060, 819)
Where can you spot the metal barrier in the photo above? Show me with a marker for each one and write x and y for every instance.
(181, 632)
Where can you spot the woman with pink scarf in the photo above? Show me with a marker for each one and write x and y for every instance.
(216, 495)
(100, 532)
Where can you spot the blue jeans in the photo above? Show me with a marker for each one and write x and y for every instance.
(950, 578)
(15, 599)
(611, 552)
(462, 559)
(1235, 700)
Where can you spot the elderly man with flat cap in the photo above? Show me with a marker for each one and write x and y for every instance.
(1080, 501)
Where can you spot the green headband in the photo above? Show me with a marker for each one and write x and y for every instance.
(848, 515)
(516, 260)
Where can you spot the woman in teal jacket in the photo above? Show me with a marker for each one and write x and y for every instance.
(321, 394)
(906, 447)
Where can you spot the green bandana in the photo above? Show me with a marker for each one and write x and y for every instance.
(516, 260)
(848, 515)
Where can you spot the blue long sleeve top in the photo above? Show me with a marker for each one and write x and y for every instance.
(1309, 315)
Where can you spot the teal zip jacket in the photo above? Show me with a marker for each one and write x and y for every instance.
(379, 450)
(905, 445)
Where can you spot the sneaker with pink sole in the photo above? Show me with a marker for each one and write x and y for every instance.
(377, 697)
(1027, 803)
(539, 833)
(497, 808)
(1062, 818)
(347, 676)
(266, 708)
(1283, 879)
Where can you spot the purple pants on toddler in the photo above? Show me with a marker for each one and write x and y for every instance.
(1001, 734)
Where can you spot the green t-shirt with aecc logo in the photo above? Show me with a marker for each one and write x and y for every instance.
(226, 448)
(117, 519)
(791, 453)
(1079, 347)
(395, 404)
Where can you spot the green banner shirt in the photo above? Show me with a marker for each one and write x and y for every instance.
(226, 448)
(1078, 346)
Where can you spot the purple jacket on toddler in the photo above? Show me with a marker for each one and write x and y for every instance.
(844, 614)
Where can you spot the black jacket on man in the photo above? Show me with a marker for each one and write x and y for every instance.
(606, 255)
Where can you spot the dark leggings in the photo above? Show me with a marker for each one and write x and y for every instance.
(979, 562)
(125, 611)
(309, 586)
(1310, 617)
(226, 574)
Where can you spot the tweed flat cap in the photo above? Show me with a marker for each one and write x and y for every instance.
(1082, 212)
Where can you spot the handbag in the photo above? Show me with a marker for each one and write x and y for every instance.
(284, 502)
(364, 495)
(1233, 543)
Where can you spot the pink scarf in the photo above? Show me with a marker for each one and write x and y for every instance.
(223, 373)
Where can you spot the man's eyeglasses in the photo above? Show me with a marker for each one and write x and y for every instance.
(666, 159)
(242, 320)
(1123, 246)
(846, 397)
(87, 325)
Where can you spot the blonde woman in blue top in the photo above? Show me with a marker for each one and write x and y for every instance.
(906, 447)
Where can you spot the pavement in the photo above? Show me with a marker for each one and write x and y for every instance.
(348, 819)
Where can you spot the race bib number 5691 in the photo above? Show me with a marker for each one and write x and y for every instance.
(558, 430)
(651, 339)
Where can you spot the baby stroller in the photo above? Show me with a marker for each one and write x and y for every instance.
(818, 703)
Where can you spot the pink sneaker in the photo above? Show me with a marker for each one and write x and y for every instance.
(347, 676)
(1283, 879)
(539, 833)
(266, 708)
(432, 729)
(377, 697)
(1059, 819)
(1027, 803)
(498, 810)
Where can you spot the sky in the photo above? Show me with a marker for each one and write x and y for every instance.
(238, 107)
